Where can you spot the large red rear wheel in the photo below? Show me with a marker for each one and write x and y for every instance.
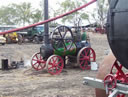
(85, 57)
(55, 64)
(37, 62)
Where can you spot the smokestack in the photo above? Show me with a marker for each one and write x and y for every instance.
(46, 27)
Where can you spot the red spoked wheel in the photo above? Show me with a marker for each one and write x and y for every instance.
(37, 62)
(85, 57)
(120, 95)
(110, 81)
(55, 64)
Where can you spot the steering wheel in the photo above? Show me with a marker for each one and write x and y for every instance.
(62, 39)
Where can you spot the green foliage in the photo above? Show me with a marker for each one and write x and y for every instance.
(6, 16)
(69, 5)
(17, 14)
(100, 12)
(37, 16)
(66, 6)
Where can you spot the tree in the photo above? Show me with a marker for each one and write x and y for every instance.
(37, 16)
(100, 12)
(23, 12)
(7, 15)
(69, 5)
(19, 14)
(52, 13)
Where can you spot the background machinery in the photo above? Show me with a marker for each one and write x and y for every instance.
(13, 37)
(2, 40)
(33, 34)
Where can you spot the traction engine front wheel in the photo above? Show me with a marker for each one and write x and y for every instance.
(37, 62)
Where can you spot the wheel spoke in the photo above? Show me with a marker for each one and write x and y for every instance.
(64, 44)
(58, 44)
(50, 68)
(40, 57)
(60, 33)
(55, 60)
(91, 53)
(35, 63)
(36, 56)
(50, 63)
(85, 64)
(59, 66)
(43, 62)
(59, 63)
(81, 58)
(70, 45)
(81, 62)
(34, 59)
(82, 55)
(64, 33)
(86, 52)
(56, 69)
(91, 57)
(38, 66)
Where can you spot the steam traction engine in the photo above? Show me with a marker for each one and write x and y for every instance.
(60, 44)
(63, 43)
(116, 82)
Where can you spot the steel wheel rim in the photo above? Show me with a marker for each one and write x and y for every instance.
(85, 56)
(37, 62)
(55, 64)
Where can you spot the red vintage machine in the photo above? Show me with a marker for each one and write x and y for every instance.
(115, 82)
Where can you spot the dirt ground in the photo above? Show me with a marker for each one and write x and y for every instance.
(26, 82)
